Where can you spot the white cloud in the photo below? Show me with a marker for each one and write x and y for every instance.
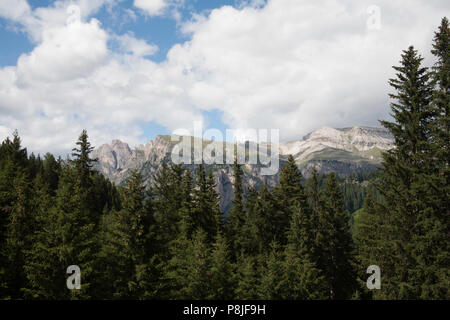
(151, 7)
(293, 65)
(300, 65)
(14, 9)
(71, 81)
(66, 52)
(138, 47)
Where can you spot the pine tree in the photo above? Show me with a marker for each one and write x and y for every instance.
(83, 165)
(302, 280)
(69, 234)
(206, 212)
(236, 216)
(167, 193)
(265, 221)
(250, 242)
(336, 259)
(188, 271)
(172, 204)
(222, 271)
(15, 215)
(82, 161)
(248, 277)
(440, 126)
(369, 245)
(408, 214)
(67, 238)
(291, 196)
(126, 246)
(272, 284)
(18, 234)
(50, 173)
(432, 230)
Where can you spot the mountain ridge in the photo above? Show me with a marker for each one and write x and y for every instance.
(343, 150)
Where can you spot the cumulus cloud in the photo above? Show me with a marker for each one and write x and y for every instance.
(151, 7)
(287, 64)
(14, 9)
(71, 81)
(300, 65)
(67, 52)
(138, 47)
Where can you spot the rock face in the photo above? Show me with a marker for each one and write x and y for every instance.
(358, 140)
(344, 151)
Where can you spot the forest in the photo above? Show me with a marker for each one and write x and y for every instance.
(296, 241)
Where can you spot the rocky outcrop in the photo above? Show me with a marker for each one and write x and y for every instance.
(327, 149)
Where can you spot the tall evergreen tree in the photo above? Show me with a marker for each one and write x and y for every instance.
(248, 277)
(236, 216)
(407, 259)
(302, 280)
(272, 284)
(67, 238)
(369, 245)
(291, 196)
(206, 210)
(188, 271)
(336, 248)
(126, 246)
(82, 160)
(222, 279)
(432, 252)
(18, 234)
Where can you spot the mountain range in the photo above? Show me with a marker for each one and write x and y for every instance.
(344, 151)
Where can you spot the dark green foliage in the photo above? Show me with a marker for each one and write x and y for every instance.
(407, 234)
(302, 279)
(273, 273)
(188, 271)
(291, 196)
(206, 213)
(236, 216)
(222, 271)
(68, 238)
(249, 278)
(126, 246)
(335, 243)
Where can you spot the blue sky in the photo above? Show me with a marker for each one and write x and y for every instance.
(163, 31)
(132, 69)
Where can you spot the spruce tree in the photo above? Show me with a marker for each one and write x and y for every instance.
(248, 277)
(206, 212)
(126, 246)
(187, 273)
(18, 234)
(83, 166)
(302, 280)
(222, 278)
(336, 249)
(291, 196)
(432, 252)
(236, 216)
(272, 284)
(369, 245)
(69, 235)
(406, 259)
(67, 238)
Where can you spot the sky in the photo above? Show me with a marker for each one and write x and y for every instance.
(133, 69)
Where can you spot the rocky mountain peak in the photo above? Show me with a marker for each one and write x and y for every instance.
(327, 149)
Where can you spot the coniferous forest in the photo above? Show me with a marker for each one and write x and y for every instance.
(297, 240)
